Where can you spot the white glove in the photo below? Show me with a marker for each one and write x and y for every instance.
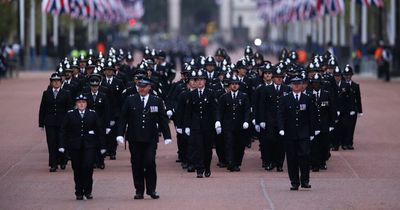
(108, 130)
(352, 113)
(317, 132)
(112, 123)
(169, 114)
(311, 138)
(262, 125)
(120, 139)
(282, 132)
(187, 131)
(217, 124)
(360, 114)
(245, 125)
(167, 141)
(62, 150)
(338, 113)
(331, 129)
(218, 130)
(179, 130)
(257, 127)
(103, 151)
(253, 121)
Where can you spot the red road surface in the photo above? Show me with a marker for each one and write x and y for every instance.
(366, 178)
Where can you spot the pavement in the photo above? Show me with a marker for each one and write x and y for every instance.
(366, 178)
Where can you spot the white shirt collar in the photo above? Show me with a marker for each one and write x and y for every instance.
(58, 89)
(315, 92)
(202, 89)
(95, 93)
(298, 94)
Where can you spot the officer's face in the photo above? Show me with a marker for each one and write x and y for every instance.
(108, 72)
(219, 58)
(278, 80)
(267, 76)
(68, 75)
(242, 72)
(56, 83)
(89, 70)
(348, 77)
(81, 104)
(338, 78)
(192, 84)
(94, 88)
(210, 68)
(304, 86)
(310, 74)
(234, 87)
(144, 90)
(201, 83)
(316, 85)
(75, 71)
(297, 87)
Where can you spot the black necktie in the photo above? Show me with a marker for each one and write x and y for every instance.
(109, 81)
(82, 113)
(234, 96)
(55, 93)
(94, 96)
(143, 102)
(200, 93)
(297, 97)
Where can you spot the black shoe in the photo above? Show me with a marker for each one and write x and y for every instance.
(191, 169)
(269, 167)
(207, 173)
(350, 147)
(236, 168)
(53, 169)
(154, 195)
(315, 169)
(138, 197)
(294, 187)
(102, 166)
(264, 165)
(279, 169)
(323, 167)
(89, 196)
(112, 157)
(62, 167)
(344, 147)
(178, 160)
(335, 148)
(305, 185)
(184, 165)
(222, 165)
(249, 145)
(79, 197)
(199, 175)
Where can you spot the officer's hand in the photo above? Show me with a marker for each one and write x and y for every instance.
(352, 113)
(217, 124)
(245, 125)
(257, 127)
(317, 132)
(187, 131)
(120, 139)
(108, 130)
(169, 114)
(103, 151)
(179, 130)
(282, 132)
(262, 125)
(338, 113)
(311, 138)
(331, 129)
(360, 114)
(253, 121)
(167, 141)
(62, 150)
(112, 123)
(218, 130)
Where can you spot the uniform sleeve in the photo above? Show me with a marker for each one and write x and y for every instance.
(63, 131)
(281, 113)
(246, 109)
(100, 132)
(215, 107)
(358, 97)
(163, 120)
(188, 111)
(123, 118)
(42, 110)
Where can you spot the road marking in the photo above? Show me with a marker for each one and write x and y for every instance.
(265, 194)
(348, 165)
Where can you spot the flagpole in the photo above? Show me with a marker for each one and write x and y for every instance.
(44, 39)
(334, 31)
(327, 28)
(55, 32)
(364, 24)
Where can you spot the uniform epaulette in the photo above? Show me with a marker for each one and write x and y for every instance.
(70, 110)
(92, 110)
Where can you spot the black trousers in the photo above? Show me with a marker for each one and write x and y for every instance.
(297, 156)
(202, 140)
(320, 152)
(272, 150)
(52, 136)
(82, 164)
(235, 144)
(143, 160)
(349, 125)
(338, 133)
(111, 143)
(220, 148)
(191, 148)
(182, 147)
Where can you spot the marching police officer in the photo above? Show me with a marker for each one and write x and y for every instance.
(296, 126)
(53, 106)
(82, 134)
(234, 107)
(200, 114)
(145, 116)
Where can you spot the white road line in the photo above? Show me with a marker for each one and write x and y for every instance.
(266, 196)
(348, 165)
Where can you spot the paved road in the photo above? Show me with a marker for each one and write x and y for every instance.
(366, 178)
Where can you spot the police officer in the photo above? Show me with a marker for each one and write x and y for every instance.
(98, 101)
(325, 122)
(81, 134)
(272, 150)
(201, 118)
(53, 106)
(145, 116)
(296, 126)
(234, 107)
